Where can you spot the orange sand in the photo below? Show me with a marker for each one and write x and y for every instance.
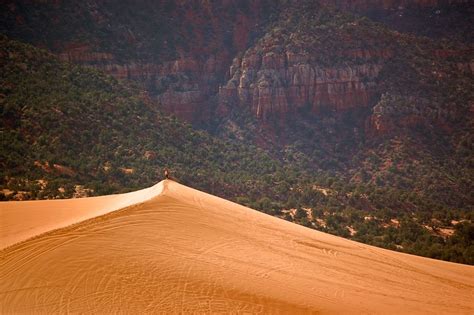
(184, 251)
(21, 220)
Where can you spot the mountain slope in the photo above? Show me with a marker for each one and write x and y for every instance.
(64, 126)
(178, 50)
(358, 126)
(182, 51)
(187, 251)
(387, 113)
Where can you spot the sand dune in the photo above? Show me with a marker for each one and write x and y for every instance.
(179, 250)
(21, 220)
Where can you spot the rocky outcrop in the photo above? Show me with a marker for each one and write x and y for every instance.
(278, 84)
(379, 124)
(83, 53)
(184, 55)
(179, 51)
(396, 114)
(181, 86)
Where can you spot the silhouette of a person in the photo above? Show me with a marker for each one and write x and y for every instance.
(167, 174)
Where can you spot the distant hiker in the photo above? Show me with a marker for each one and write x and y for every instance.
(167, 174)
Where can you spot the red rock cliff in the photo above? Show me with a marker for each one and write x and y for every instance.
(181, 58)
(277, 84)
(188, 54)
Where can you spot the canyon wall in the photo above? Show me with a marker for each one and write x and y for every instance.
(182, 86)
(179, 51)
(278, 84)
(191, 56)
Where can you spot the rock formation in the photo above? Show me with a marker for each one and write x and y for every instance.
(195, 52)
(284, 83)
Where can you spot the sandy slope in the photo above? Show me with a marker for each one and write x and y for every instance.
(21, 220)
(186, 251)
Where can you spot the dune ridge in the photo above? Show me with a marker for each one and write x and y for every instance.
(40, 216)
(185, 251)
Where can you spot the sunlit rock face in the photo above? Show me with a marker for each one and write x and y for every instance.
(283, 83)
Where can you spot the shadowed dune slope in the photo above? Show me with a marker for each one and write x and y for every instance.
(185, 251)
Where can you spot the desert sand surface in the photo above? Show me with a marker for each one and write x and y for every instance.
(185, 251)
(21, 220)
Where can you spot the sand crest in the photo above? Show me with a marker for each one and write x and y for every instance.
(21, 220)
(179, 250)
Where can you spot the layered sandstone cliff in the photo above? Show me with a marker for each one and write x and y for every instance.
(190, 53)
(278, 84)
(178, 51)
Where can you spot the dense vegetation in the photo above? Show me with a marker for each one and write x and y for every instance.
(398, 193)
(69, 125)
(418, 173)
(69, 131)
(447, 20)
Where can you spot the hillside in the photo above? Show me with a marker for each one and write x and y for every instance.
(354, 98)
(384, 118)
(438, 20)
(367, 92)
(182, 51)
(187, 251)
(178, 50)
(326, 113)
(65, 127)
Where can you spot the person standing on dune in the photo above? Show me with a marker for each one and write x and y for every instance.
(167, 174)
